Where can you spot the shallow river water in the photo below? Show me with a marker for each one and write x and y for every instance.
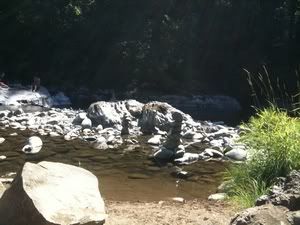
(124, 174)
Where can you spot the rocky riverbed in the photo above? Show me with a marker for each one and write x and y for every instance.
(149, 152)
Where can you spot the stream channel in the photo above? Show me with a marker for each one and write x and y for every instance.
(125, 174)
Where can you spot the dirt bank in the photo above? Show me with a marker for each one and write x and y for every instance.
(168, 213)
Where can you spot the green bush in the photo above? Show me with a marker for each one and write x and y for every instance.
(273, 141)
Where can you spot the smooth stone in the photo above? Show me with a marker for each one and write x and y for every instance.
(237, 154)
(82, 115)
(86, 123)
(217, 197)
(155, 140)
(52, 193)
(2, 140)
(187, 158)
(2, 157)
(13, 134)
(54, 134)
(34, 145)
(178, 199)
(212, 153)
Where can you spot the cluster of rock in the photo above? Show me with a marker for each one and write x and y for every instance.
(17, 95)
(104, 125)
(56, 194)
(281, 206)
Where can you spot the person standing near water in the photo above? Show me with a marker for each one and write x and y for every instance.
(36, 84)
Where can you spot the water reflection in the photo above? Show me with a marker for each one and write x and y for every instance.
(123, 175)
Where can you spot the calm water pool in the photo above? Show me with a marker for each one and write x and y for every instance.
(124, 174)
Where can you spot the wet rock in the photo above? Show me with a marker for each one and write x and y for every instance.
(262, 215)
(237, 154)
(34, 145)
(52, 193)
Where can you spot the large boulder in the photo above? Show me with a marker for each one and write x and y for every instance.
(109, 114)
(159, 115)
(51, 193)
(262, 215)
(286, 192)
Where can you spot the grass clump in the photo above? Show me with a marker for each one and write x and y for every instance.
(273, 141)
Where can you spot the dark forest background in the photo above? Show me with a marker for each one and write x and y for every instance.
(172, 46)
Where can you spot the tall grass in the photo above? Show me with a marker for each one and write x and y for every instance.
(272, 137)
(273, 141)
(266, 91)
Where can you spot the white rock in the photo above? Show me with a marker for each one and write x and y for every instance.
(178, 199)
(54, 134)
(13, 134)
(82, 115)
(86, 123)
(109, 114)
(218, 197)
(15, 125)
(218, 143)
(159, 115)
(2, 157)
(237, 154)
(33, 146)
(187, 158)
(99, 128)
(212, 153)
(155, 140)
(52, 193)
(2, 140)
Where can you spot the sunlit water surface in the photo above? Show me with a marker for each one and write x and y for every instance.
(124, 174)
